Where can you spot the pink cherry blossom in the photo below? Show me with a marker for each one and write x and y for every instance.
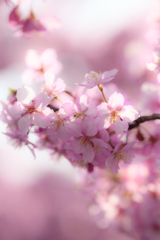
(6, 117)
(28, 25)
(120, 153)
(84, 108)
(116, 113)
(19, 140)
(155, 65)
(60, 124)
(94, 79)
(85, 142)
(8, 2)
(30, 109)
(39, 65)
(150, 97)
(52, 87)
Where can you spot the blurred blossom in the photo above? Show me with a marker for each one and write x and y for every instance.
(25, 23)
(38, 65)
(48, 209)
(128, 202)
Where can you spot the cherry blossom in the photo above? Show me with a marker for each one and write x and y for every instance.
(86, 142)
(120, 153)
(116, 113)
(85, 108)
(19, 140)
(155, 65)
(60, 125)
(52, 87)
(30, 109)
(39, 65)
(30, 24)
(94, 79)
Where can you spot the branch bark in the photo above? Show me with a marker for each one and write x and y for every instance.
(143, 119)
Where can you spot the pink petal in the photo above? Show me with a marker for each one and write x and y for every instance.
(88, 154)
(50, 22)
(120, 126)
(103, 109)
(78, 146)
(16, 110)
(99, 142)
(59, 85)
(32, 59)
(69, 108)
(29, 75)
(83, 102)
(41, 100)
(89, 128)
(116, 100)
(14, 18)
(128, 113)
(109, 75)
(49, 78)
(40, 120)
(112, 164)
(25, 95)
(24, 123)
(104, 135)
(48, 57)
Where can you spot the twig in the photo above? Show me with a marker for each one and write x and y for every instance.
(143, 119)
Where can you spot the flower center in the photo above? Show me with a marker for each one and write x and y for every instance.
(94, 75)
(114, 115)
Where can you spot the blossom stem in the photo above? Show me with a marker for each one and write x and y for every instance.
(101, 89)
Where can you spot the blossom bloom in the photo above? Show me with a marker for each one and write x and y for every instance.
(116, 113)
(120, 153)
(85, 107)
(86, 142)
(155, 65)
(52, 87)
(30, 109)
(40, 65)
(60, 125)
(94, 79)
(29, 25)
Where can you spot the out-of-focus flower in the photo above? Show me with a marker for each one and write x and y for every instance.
(39, 65)
(155, 65)
(48, 209)
(52, 87)
(120, 153)
(27, 26)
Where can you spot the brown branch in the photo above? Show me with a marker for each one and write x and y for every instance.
(143, 119)
(53, 108)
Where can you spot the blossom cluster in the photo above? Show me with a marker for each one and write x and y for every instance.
(88, 129)
(80, 129)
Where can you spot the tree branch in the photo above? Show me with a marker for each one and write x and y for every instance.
(143, 119)
(53, 108)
